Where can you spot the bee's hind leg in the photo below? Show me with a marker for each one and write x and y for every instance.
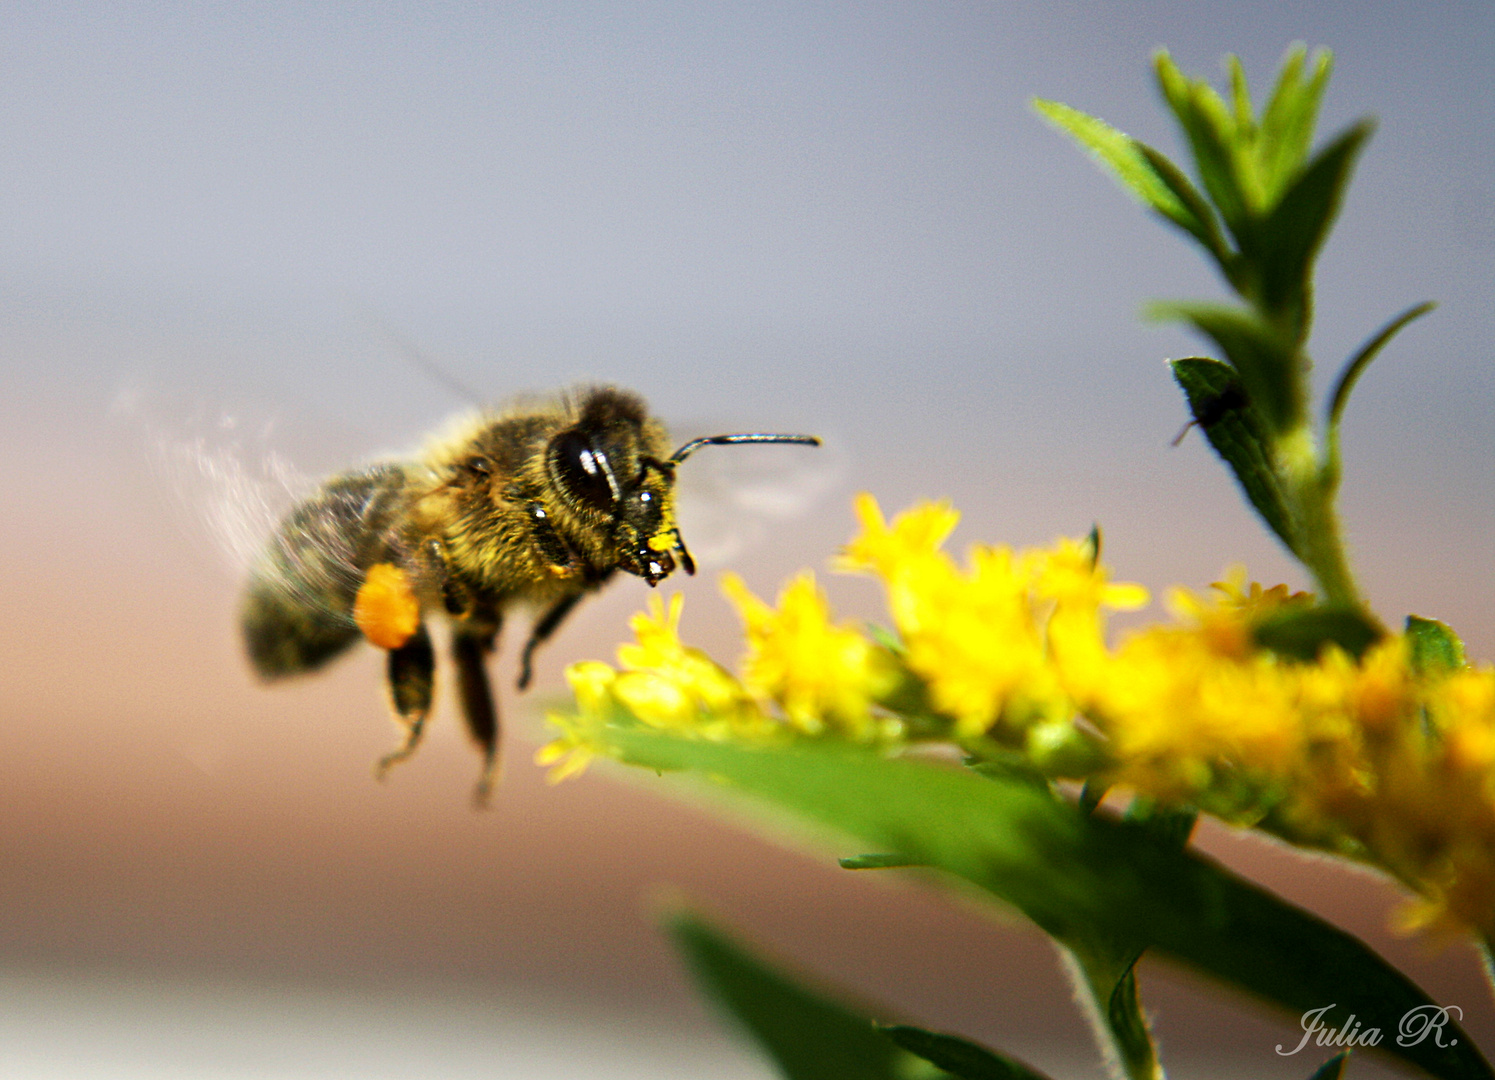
(411, 674)
(470, 651)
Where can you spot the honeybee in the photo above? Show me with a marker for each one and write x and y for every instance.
(537, 506)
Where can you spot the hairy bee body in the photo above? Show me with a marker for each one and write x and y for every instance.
(536, 506)
(297, 611)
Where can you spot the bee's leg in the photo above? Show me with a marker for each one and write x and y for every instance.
(411, 683)
(562, 560)
(470, 650)
(541, 631)
(455, 597)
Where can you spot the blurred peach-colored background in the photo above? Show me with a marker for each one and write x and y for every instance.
(226, 229)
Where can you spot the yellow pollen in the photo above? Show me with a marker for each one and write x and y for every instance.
(386, 609)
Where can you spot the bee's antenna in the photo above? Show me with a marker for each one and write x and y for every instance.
(434, 371)
(723, 440)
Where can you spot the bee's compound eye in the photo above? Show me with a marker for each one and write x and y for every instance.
(584, 470)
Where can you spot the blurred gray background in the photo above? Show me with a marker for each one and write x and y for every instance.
(237, 236)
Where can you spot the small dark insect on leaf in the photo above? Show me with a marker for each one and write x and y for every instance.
(1212, 410)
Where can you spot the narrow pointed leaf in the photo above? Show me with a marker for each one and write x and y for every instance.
(1136, 167)
(1126, 1020)
(1240, 95)
(809, 1035)
(1290, 237)
(959, 1057)
(1280, 114)
(1206, 125)
(880, 861)
(1368, 352)
(1073, 875)
(1288, 121)
(1208, 232)
(1239, 434)
(1102, 970)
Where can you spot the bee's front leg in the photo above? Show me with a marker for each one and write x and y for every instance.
(552, 545)
(411, 674)
(540, 633)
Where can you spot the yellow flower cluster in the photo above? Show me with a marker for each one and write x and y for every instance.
(824, 677)
(987, 640)
(803, 675)
(662, 684)
(1382, 759)
(1371, 758)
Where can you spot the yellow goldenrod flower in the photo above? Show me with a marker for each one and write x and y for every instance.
(568, 755)
(982, 638)
(699, 682)
(1367, 758)
(822, 675)
(664, 684)
(580, 739)
(916, 534)
(1373, 758)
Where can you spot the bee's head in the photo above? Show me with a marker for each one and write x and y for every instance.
(639, 503)
(609, 464)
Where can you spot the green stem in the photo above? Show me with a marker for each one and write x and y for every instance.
(1310, 488)
(1106, 989)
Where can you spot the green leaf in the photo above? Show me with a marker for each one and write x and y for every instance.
(1148, 175)
(1010, 765)
(886, 637)
(1073, 875)
(1239, 434)
(1128, 1024)
(1092, 794)
(1103, 972)
(1361, 360)
(1093, 544)
(1289, 239)
(1210, 132)
(1264, 361)
(1240, 96)
(810, 1035)
(1104, 968)
(1302, 633)
(959, 1057)
(882, 861)
(1288, 121)
(1332, 1069)
(1208, 233)
(1434, 646)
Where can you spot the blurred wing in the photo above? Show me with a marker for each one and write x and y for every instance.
(731, 496)
(224, 483)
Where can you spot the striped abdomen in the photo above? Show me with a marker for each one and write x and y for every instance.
(297, 611)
